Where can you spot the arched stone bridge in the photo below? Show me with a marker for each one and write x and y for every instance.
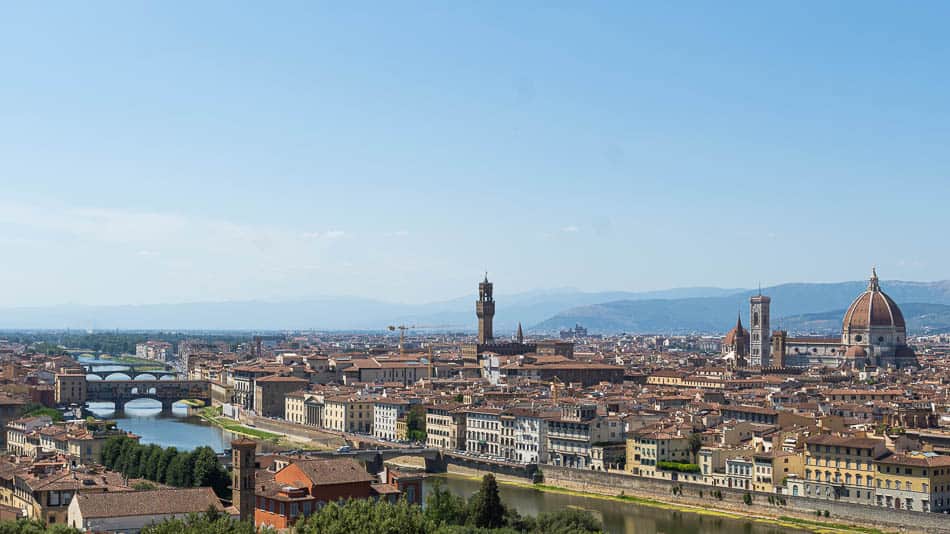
(167, 392)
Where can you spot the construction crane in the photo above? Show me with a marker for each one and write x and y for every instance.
(402, 331)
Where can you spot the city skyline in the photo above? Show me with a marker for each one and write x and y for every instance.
(164, 153)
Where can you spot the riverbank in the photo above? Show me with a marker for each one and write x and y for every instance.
(781, 520)
(213, 416)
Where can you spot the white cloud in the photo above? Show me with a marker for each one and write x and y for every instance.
(570, 229)
(329, 234)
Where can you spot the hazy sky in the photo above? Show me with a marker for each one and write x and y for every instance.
(183, 151)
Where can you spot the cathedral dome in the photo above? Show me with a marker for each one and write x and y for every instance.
(873, 308)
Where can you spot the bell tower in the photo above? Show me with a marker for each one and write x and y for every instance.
(485, 310)
(243, 464)
(759, 332)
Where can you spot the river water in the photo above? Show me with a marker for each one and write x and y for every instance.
(618, 517)
(145, 418)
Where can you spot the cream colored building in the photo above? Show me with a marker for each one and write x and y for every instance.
(445, 427)
(349, 414)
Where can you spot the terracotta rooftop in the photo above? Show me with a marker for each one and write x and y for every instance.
(156, 502)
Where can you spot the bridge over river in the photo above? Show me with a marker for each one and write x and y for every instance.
(79, 389)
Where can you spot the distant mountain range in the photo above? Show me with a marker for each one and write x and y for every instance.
(800, 307)
(919, 318)
(324, 313)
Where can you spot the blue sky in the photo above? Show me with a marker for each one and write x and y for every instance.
(187, 151)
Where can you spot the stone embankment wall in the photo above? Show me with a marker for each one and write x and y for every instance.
(327, 439)
(732, 499)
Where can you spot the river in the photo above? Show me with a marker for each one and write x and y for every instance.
(618, 517)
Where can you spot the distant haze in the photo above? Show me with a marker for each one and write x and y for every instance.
(681, 310)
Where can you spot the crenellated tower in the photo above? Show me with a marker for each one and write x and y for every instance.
(485, 310)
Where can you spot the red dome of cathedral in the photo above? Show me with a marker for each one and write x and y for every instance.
(872, 308)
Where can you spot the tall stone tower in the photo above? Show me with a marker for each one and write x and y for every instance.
(242, 485)
(778, 348)
(760, 344)
(485, 310)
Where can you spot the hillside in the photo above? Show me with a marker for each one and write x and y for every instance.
(717, 314)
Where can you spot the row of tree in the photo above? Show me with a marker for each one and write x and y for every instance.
(444, 513)
(165, 465)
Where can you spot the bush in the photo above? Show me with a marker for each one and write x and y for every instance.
(747, 499)
(678, 466)
(827, 513)
(537, 477)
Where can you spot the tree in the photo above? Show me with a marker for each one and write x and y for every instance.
(161, 470)
(134, 465)
(174, 474)
(187, 469)
(486, 509)
(36, 410)
(568, 521)
(125, 456)
(695, 443)
(205, 464)
(444, 507)
(364, 515)
(32, 526)
(416, 423)
(206, 523)
(111, 450)
(151, 462)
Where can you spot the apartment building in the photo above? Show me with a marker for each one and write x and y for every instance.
(917, 481)
(386, 416)
(270, 393)
(839, 468)
(647, 448)
(573, 434)
(445, 427)
(483, 431)
(524, 436)
(349, 414)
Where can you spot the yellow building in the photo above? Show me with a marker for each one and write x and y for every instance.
(915, 481)
(771, 469)
(348, 414)
(645, 449)
(839, 468)
(445, 427)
